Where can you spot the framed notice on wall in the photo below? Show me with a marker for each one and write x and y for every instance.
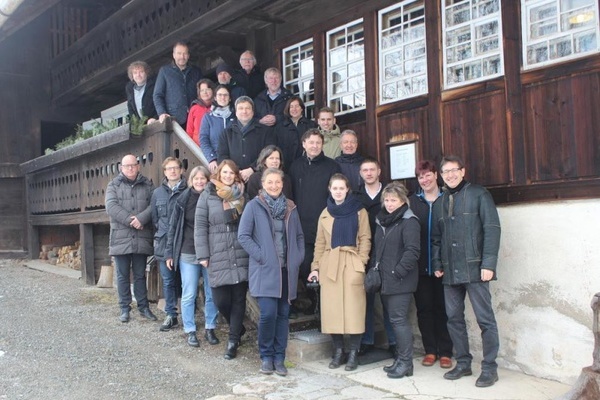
(403, 160)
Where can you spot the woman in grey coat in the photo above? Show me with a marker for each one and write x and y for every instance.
(215, 237)
(271, 233)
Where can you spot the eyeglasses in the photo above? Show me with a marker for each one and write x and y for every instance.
(128, 166)
(172, 168)
(453, 170)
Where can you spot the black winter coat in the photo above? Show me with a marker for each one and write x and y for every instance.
(254, 83)
(289, 138)
(465, 236)
(244, 148)
(147, 101)
(176, 225)
(264, 106)
(163, 203)
(397, 252)
(310, 181)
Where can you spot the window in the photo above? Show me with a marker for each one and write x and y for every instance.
(402, 51)
(299, 75)
(346, 67)
(557, 30)
(472, 35)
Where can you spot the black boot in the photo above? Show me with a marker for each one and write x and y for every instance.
(352, 362)
(404, 368)
(390, 368)
(231, 352)
(210, 336)
(338, 358)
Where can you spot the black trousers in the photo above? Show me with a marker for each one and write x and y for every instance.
(431, 316)
(231, 302)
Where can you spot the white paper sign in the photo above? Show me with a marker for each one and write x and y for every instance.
(403, 161)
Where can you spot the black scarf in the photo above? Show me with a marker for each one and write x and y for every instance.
(457, 188)
(386, 219)
(345, 220)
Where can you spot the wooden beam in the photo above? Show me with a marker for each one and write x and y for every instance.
(260, 15)
(74, 218)
(435, 140)
(532, 193)
(86, 239)
(26, 13)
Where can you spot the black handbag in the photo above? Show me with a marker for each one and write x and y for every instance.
(373, 280)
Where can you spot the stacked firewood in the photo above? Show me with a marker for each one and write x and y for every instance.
(68, 256)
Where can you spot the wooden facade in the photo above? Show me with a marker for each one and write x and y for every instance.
(527, 135)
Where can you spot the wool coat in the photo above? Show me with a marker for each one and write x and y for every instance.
(126, 199)
(216, 241)
(289, 138)
(243, 145)
(175, 89)
(257, 236)
(342, 276)
(147, 101)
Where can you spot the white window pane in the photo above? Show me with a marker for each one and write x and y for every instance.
(567, 5)
(458, 14)
(560, 47)
(356, 52)
(542, 29)
(473, 71)
(456, 74)
(457, 36)
(577, 19)
(307, 67)
(543, 12)
(394, 58)
(356, 83)
(586, 41)
(391, 38)
(484, 8)
(491, 66)
(537, 53)
(389, 92)
(356, 68)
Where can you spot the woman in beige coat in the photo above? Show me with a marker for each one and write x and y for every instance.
(341, 253)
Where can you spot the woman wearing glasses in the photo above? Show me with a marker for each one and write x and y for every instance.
(214, 123)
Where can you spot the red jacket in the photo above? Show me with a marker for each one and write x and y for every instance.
(195, 119)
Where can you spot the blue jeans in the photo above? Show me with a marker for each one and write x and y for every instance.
(481, 300)
(369, 336)
(170, 290)
(273, 325)
(190, 276)
(124, 265)
(398, 305)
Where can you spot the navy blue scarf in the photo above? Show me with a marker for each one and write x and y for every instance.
(345, 220)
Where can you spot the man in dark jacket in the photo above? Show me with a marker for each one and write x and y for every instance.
(269, 104)
(350, 160)
(163, 202)
(465, 240)
(245, 138)
(310, 181)
(369, 194)
(128, 206)
(249, 76)
(139, 91)
(224, 77)
(175, 87)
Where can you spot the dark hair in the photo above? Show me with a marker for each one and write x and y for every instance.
(312, 132)
(452, 158)
(339, 177)
(206, 82)
(370, 160)
(425, 166)
(219, 87)
(181, 43)
(286, 110)
(266, 153)
(231, 164)
(327, 110)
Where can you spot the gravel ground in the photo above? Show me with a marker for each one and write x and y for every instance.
(60, 339)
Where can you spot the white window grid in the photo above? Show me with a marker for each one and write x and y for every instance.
(402, 51)
(299, 73)
(346, 68)
(558, 30)
(472, 41)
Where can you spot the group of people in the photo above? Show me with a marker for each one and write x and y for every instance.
(285, 201)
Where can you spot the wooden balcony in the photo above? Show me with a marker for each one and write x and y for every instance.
(68, 187)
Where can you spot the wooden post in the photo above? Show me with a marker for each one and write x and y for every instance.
(86, 237)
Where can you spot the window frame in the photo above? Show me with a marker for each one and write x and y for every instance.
(309, 105)
(400, 8)
(329, 70)
(472, 24)
(527, 42)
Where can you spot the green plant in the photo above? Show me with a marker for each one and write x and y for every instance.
(136, 125)
(82, 134)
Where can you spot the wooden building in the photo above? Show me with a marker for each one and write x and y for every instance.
(513, 86)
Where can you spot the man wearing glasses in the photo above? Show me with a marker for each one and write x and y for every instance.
(465, 239)
(128, 206)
